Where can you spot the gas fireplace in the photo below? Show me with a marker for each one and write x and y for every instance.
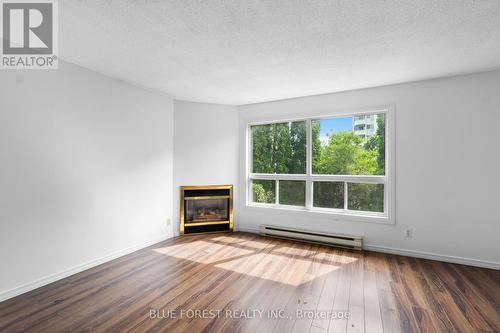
(206, 209)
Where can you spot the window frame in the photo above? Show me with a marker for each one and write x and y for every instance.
(387, 217)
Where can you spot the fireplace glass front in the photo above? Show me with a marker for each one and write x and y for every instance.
(207, 210)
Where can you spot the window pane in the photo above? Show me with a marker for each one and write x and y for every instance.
(279, 148)
(328, 194)
(264, 191)
(292, 192)
(365, 197)
(349, 145)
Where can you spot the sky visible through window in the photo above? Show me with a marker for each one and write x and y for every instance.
(333, 126)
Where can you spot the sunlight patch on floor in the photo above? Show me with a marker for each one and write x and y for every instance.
(259, 258)
(244, 242)
(267, 266)
(203, 252)
(294, 251)
(336, 258)
(326, 255)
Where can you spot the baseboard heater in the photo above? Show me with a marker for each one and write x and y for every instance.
(312, 237)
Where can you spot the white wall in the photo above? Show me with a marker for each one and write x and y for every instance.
(205, 149)
(85, 172)
(447, 167)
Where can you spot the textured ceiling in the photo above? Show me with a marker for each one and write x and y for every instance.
(240, 52)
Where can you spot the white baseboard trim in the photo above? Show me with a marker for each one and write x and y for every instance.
(416, 254)
(433, 256)
(5, 295)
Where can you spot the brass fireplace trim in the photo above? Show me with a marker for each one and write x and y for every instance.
(208, 187)
(215, 197)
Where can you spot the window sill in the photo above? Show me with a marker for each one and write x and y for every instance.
(339, 216)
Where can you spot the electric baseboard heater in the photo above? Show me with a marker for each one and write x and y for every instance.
(350, 242)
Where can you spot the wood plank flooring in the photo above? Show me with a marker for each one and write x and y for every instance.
(246, 283)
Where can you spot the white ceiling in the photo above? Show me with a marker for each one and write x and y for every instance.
(248, 51)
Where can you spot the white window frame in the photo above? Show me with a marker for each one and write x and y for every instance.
(387, 217)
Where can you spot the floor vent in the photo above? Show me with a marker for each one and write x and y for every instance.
(350, 242)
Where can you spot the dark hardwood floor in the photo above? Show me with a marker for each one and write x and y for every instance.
(231, 272)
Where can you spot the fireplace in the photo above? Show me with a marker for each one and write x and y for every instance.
(206, 209)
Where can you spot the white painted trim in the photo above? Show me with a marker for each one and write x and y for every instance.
(336, 214)
(319, 114)
(309, 153)
(5, 295)
(321, 178)
(433, 256)
(390, 167)
(416, 254)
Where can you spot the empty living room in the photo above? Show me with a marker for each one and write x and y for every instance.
(260, 166)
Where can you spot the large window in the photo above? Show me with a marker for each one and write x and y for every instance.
(332, 164)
